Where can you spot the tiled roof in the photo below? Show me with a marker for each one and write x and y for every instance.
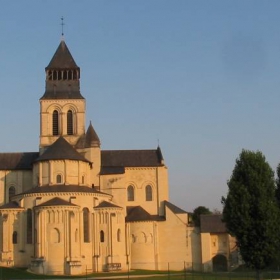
(138, 214)
(62, 59)
(10, 205)
(62, 91)
(62, 88)
(174, 208)
(106, 204)
(57, 202)
(17, 161)
(111, 170)
(131, 158)
(62, 188)
(88, 140)
(61, 150)
(212, 223)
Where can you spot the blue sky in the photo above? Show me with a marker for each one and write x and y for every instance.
(200, 76)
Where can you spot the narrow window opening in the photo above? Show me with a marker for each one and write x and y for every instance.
(12, 192)
(119, 235)
(130, 193)
(69, 122)
(59, 75)
(58, 179)
(55, 122)
(102, 237)
(86, 224)
(15, 237)
(149, 193)
(54, 75)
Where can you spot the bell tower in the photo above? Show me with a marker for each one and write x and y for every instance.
(62, 107)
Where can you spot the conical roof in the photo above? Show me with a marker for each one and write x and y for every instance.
(92, 139)
(61, 150)
(62, 58)
(88, 140)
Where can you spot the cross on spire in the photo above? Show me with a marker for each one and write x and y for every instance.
(62, 24)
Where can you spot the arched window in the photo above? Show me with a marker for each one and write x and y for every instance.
(15, 237)
(102, 237)
(29, 226)
(86, 224)
(55, 122)
(69, 122)
(12, 192)
(83, 179)
(119, 235)
(55, 235)
(58, 179)
(149, 193)
(130, 193)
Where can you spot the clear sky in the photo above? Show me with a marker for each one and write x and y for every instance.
(200, 76)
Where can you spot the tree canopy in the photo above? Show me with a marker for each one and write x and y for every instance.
(200, 210)
(250, 209)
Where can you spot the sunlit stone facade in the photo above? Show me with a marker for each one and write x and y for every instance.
(72, 208)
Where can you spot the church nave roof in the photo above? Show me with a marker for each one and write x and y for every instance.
(17, 161)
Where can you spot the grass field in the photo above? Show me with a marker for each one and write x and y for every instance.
(15, 273)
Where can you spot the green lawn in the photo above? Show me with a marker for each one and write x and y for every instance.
(15, 273)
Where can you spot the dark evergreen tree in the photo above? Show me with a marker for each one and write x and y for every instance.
(250, 210)
(278, 185)
(200, 210)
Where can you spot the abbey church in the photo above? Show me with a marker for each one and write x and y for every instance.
(72, 208)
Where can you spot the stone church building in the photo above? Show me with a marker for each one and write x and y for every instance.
(72, 208)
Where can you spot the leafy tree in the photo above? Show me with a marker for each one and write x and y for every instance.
(200, 210)
(278, 185)
(250, 210)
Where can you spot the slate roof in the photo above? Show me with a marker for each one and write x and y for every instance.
(56, 202)
(90, 139)
(10, 205)
(174, 208)
(62, 88)
(131, 158)
(61, 150)
(17, 161)
(212, 223)
(112, 170)
(138, 214)
(62, 58)
(61, 189)
(107, 204)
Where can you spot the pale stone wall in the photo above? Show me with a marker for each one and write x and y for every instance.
(206, 252)
(19, 179)
(139, 178)
(60, 235)
(71, 172)
(144, 254)
(194, 249)
(213, 244)
(62, 106)
(172, 242)
(93, 155)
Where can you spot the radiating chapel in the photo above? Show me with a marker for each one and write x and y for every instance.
(72, 208)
